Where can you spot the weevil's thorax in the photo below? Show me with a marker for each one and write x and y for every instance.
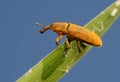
(60, 28)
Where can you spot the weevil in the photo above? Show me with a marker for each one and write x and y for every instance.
(73, 32)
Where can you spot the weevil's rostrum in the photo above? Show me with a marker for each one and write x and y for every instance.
(73, 32)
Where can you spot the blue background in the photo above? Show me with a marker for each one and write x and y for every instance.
(22, 46)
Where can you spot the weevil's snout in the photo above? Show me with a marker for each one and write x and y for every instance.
(41, 31)
(45, 28)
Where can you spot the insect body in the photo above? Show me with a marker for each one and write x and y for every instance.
(73, 32)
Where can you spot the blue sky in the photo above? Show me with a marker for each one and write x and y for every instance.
(22, 46)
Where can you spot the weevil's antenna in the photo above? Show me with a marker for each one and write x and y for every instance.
(41, 30)
(38, 24)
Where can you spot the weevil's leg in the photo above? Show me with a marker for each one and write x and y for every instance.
(78, 45)
(84, 45)
(67, 43)
(58, 39)
(67, 47)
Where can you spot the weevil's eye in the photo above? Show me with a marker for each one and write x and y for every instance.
(51, 25)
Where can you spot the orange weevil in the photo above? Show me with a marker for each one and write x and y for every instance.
(73, 32)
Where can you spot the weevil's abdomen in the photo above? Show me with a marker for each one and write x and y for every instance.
(76, 32)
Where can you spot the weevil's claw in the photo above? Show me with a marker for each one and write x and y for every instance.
(66, 51)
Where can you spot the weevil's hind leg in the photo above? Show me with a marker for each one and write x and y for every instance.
(58, 39)
(78, 45)
(84, 45)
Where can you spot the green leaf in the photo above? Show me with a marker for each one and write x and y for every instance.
(55, 65)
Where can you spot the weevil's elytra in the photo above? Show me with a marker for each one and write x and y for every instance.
(80, 33)
(73, 32)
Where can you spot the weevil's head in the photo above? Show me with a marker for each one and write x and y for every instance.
(58, 27)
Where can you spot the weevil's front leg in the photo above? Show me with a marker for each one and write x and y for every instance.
(67, 43)
(78, 45)
(58, 39)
